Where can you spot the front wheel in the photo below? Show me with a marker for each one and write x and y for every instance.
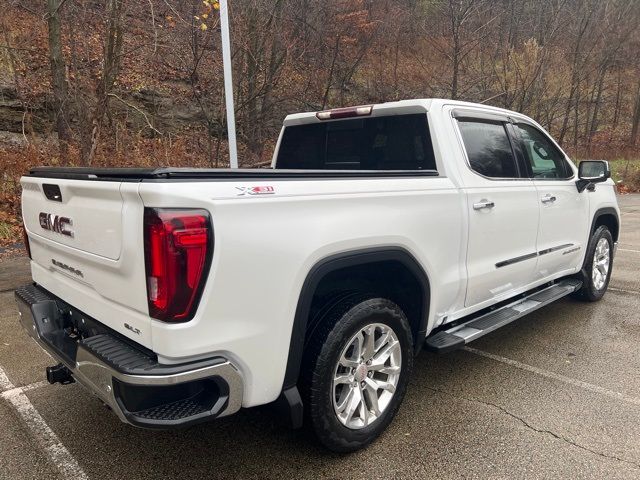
(357, 370)
(598, 264)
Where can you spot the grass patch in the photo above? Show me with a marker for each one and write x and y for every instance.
(624, 168)
(626, 174)
(10, 230)
(7, 231)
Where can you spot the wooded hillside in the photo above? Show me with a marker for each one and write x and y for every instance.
(118, 82)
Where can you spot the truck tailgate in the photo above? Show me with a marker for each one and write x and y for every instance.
(87, 248)
(85, 216)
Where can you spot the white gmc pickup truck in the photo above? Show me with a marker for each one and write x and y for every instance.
(181, 295)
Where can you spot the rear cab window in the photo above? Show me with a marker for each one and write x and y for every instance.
(398, 142)
(488, 148)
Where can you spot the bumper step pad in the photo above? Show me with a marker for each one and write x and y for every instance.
(458, 336)
(173, 411)
(129, 360)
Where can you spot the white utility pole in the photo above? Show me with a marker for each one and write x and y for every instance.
(228, 84)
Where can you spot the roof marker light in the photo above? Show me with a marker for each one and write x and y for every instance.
(345, 112)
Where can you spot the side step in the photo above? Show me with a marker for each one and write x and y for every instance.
(458, 336)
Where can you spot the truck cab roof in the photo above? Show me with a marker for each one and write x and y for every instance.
(417, 105)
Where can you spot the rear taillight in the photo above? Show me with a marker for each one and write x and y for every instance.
(25, 240)
(178, 245)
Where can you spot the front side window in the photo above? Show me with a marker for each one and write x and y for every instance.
(546, 160)
(400, 142)
(488, 148)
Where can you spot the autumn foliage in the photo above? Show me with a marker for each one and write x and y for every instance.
(123, 83)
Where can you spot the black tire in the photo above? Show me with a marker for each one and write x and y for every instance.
(589, 292)
(338, 325)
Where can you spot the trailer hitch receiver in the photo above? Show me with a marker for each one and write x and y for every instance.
(59, 374)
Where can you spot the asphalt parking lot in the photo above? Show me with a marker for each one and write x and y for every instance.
(554, 395)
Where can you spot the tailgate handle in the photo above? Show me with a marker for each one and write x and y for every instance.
(52, 192)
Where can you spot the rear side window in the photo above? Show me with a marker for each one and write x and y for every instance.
(544, 157)
(399, 142)
(488, 148)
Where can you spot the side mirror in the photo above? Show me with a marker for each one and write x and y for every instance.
(591, 172)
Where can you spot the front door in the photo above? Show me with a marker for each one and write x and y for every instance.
(564, 212)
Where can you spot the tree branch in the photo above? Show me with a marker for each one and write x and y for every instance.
(130, 105)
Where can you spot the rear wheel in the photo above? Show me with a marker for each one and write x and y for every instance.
(356, 371)
(598, 264)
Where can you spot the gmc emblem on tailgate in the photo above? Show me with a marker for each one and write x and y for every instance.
(56, 223)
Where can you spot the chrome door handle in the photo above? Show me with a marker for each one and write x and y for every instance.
(483, 204)
(548, 199)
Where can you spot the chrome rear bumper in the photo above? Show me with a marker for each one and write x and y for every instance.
(127, 377)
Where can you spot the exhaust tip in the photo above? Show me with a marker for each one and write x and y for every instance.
(59, 374)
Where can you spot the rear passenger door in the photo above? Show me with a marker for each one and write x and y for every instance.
(502, 205)
(564, 212)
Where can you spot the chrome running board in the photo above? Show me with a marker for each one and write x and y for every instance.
(447, 340)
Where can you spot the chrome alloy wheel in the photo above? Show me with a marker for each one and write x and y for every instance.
(601, 264)
(366, 376)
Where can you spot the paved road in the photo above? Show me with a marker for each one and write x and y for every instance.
(555, 395)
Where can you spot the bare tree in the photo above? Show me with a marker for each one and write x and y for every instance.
(635, 119)
(111, 68)
(58, 76)
(151, 72)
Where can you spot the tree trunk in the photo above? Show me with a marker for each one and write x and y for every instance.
(576, 118)
(254, 60)
(112, 56)
(596, 107)
(576, 66)
(455, 54)
(276, 59)
(616, 109)
(635, 121)
(58, 77)
(329, 84)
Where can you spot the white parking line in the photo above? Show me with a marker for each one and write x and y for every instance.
(627, 250)
(555, 376)
(5, 384)
(614, 289)
(26, 388)
(48, 440)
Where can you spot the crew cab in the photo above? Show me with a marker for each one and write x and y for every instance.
(181, 295)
